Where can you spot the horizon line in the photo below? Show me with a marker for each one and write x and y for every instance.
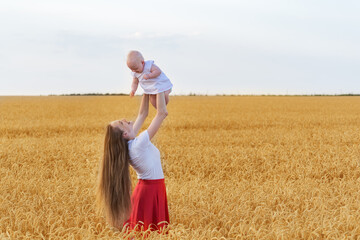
(190, 94)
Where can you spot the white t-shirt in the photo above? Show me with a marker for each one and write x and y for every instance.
(145, 157)
(153, 85)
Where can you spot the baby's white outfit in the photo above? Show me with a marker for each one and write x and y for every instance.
(153, 85)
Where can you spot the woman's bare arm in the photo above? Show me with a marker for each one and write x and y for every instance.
(160, 115)
(143, 113)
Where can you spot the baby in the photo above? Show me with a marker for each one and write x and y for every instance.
(151, 78)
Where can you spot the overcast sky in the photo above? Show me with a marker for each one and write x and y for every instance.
(204, 47)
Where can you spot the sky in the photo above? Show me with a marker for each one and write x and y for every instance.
(204, 47)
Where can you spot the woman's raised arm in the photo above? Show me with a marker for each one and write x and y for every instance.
(143, 113)
(160, 115)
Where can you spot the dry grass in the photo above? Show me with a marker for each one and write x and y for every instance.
(235, 167)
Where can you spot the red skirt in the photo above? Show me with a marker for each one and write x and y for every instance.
(149, 206)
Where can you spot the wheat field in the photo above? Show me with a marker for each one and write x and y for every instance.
(236, 167)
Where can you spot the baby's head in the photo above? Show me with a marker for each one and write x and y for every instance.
(135, 61)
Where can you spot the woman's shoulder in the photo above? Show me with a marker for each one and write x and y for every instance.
(144, 134)
(141, 141)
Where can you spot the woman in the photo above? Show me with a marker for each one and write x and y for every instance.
(147, 206)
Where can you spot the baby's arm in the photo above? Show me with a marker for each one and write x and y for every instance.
(134, 86)
(154, 72)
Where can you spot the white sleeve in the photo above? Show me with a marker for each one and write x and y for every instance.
(132, 74)
(141, 142)
(148, 65)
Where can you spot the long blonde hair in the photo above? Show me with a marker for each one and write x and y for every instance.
(114, 182)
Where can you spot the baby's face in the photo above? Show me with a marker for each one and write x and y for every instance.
(137, 66)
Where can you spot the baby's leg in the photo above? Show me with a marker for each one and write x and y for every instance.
(167, 93)
(153, 100)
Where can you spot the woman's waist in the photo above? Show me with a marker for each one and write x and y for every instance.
(151, 181)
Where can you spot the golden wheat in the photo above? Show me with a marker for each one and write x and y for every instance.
(235, 167)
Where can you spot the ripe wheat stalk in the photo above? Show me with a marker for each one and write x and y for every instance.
(235, 167)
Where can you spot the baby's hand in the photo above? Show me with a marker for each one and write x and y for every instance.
(146, 76)
(132, 93)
